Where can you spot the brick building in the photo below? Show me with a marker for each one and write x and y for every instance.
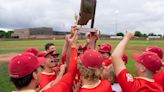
(38, 33)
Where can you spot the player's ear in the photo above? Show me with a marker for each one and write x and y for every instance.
(34, 74)
(142, 68)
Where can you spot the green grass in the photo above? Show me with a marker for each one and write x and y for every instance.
(19, 46)
(5, 84)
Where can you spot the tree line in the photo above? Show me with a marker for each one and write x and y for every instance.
(139, 34)
(4, 34)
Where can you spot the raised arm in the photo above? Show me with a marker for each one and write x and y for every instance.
(118, 53)
(91, 40)
(65, 84)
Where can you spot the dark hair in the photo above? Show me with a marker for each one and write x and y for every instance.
(22, 82)
(48, 45)
(109, 53)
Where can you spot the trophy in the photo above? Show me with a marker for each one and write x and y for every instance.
(87, 12)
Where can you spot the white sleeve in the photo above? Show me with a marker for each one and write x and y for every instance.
(116, 87)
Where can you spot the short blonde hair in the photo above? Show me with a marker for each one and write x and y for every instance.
(91, 74)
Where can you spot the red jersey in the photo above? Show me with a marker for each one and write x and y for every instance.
(107, 61)
(77, 76)
(65, 84)
(46, 78)
(104, 86)
(130, 84)
(159, 78)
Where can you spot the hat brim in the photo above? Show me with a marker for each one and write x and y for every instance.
(135, 57)
(49, 53)
(103, 51)
(82, 60)
(52, 54)
(55, 54)
(41, 60)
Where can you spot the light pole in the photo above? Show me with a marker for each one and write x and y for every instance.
(116, 15)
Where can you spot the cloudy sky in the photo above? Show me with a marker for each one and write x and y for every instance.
(111, 15)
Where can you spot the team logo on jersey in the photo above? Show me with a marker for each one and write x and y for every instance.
(129, 77)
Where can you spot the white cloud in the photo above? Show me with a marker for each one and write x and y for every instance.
(143, 15)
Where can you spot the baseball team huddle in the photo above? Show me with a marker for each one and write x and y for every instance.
(87, 68)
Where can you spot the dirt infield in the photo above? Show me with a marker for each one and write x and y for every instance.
(7, 57)
(136, 48)
(26, 45)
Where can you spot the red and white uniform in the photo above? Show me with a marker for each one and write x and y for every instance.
(46, 78)
(65, 84)
(104, 86)
(159, 78)
(138, 84)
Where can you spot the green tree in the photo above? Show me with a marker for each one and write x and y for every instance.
(159, 35)
(8, 34)
(144, 35)
(152, 34)
(138, 34)
(120, 34)
(2, 34)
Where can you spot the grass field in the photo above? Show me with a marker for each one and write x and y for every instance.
(19, 46)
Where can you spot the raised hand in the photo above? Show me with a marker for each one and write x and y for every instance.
(129, 34)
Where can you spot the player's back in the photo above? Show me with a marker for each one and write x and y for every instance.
(104, 86)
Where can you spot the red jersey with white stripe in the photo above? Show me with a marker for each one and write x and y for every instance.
(65, 84)
(46, 78)
(159, 78)
(138, 84)
(104, 86)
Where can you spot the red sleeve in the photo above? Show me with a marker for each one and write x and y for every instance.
(126, 80)
(159, 78)
(72, 68)
(64, 58)
(65, 84)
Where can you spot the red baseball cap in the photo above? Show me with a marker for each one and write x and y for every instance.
(125, 58)
(107, 62)
(156, 50)
(41, 60)
(42, 54)
(23, 64)
(35, 51)
(91, 59)
(105, 48)
(52, 53)
(150, 60)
